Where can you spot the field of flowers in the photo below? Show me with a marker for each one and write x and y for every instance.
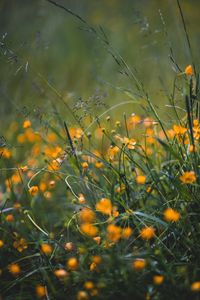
(106, 207)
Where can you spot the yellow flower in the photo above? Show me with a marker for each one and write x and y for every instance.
(195, 286)
(158, 279)
(140, 179)
(20, 245)
(69, 246)
(10, 218)
(27, 124)
(93, 266)
(72, 263)
(87, 215)
(97, 240)
(46, 249)
(188, 177)
(97, 259)
(104, 206)
(84, 165)
(99, 165)
(126, 232)
(189, 70)
(89, 229)
(33, 190)
(88, 285)
(1, 243)
(129, 143)
(40, 291)
(171, 215)
(147, 233)
(82, 295)
(5, 153)
(113, 233)
(81, 199)
(14, 269)
(179, 130)
(139, 264)
(61, 274)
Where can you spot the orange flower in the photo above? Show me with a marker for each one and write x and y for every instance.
(33, 190)
(97, 239)
(72, 263)
(20, 245)
(97, 259)
(87, 215)
(69, 246)
(195, 286)
(147, 233)
(113, 233)
(61, 273)
(81, 199)
(140, 179)
(89, 229)
(171, 215)
(14, 269)
(158, 279)
(112, 152)
(75, 133)
(99, 165)
(93, 266)
(189, 70)
(88, 285)
(46, 249)
(27, 124)
(54, 165)
(1, 243)
(126, 232)
(134, 120)
(104, 206)
(139, 264)
(129, 143)
(188, 177)
(181, 134)
(82, 295)
(10, 218)
(84, 165)
(40, 291)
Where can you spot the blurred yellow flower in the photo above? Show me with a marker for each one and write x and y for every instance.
(61, 274)
(126, 232)
(82, 295)
(195, 286)
(86, 215)
(139, 264)
(113, 233)
(158, 279)
(46, 249)
(104, 206)
(40, 291)
(189, 70)
(88, 285)
(72, 263)
(140, 179)
(27, 124)
(20, 245)
(188, 177)
(147, 233)
(14, 269)
(89, 229)
(171, 215)
(33, 190)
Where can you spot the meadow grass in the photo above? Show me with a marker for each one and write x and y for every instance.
(106, 208)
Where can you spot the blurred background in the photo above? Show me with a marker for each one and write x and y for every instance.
(47, 54)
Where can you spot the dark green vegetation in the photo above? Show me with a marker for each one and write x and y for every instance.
(99, 150)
